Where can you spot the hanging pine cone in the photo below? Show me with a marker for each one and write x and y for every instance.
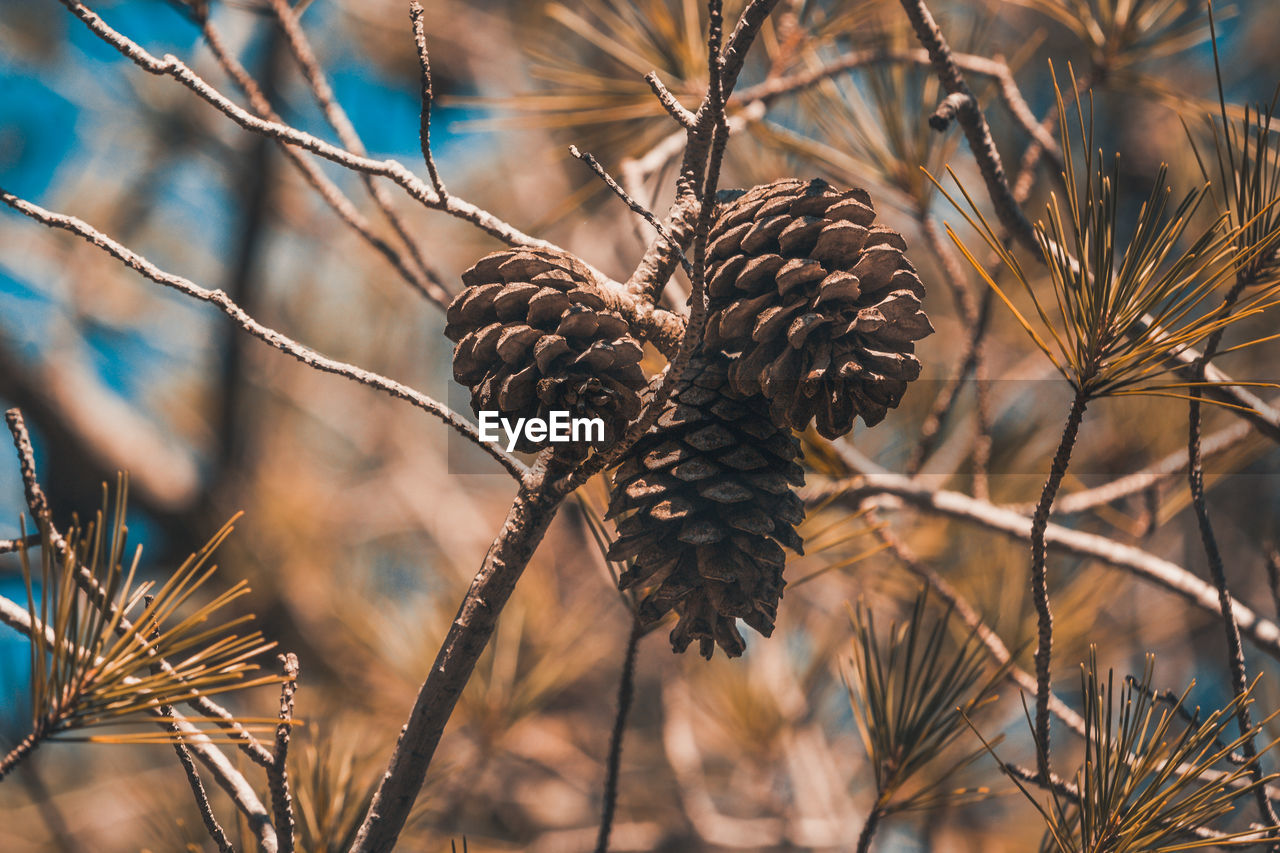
(818, 303)
(709, 491)
(533, 337)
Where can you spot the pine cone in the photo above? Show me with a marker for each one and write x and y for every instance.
(533, 336)
(709, 488)
(818, 303)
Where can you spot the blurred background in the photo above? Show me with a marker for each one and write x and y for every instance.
(364, 522)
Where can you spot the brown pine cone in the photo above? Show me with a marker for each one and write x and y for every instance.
(819, 304)
(533, 337)
(709, 492)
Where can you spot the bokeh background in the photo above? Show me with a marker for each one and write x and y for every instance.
(363, 522)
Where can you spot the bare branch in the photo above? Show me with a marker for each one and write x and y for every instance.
(630, 202)
(661, 328)
(418, 277)
(188, 763)
(282, 342)
(300, 47)
(526, 523)
(974, 123)
(227, 776)
(613, 766)
(278, 772)
(428, 95)
(1140, 481)
(669, 102)
(8, 546)
(995, 68)
(658, 263)
(1174, 578)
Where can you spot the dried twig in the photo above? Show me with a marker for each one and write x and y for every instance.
(278, 772)
(1142, 564)
(198, 792)
(669, 102)
(223, 772)
(966, 111)
(1140, 481)
(613, 767)
(661, 328)
(658, 263)
(282, 342)
(8, 546)
(636, 207)
(326, 188)
(300, 47)
(428, 97)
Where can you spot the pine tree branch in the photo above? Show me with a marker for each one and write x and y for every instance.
(973, 122)
(270, 336)
(613, 766)
(526, 523)
(278, 772)
(220, 768)
(419, 277)
(38, 505)
(1142, 564)
(661, 328)
(336, 116)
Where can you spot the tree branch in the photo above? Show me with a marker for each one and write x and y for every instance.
(38, 505)
(973, 122)
(1174, 578)
(526, 523)
(228, 778)
(300, 47)
(282, 342)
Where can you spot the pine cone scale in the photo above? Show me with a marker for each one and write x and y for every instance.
(815, 303)
(533, 336)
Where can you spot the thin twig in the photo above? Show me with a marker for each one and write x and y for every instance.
(201, 796)
(655, 268)
(669, 102)
(8, 546)
(224, 773)
(300, 47)
(38, 505)
(427, 97)
(636, 207)
(282, 342)
(418, 278)
(1040, 583)
(993, 67)
(278, 772)
(973, 316)
(613, 766)
(1142, 564)
(972, 121)
(1235, 649)
(211, 825)
(1141, 481)
(661, 328)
